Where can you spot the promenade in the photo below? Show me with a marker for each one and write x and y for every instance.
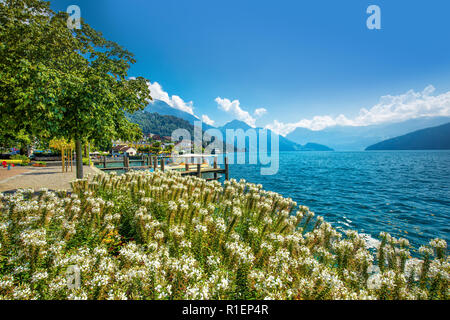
(38, 177)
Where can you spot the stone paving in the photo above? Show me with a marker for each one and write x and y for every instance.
(38, 177)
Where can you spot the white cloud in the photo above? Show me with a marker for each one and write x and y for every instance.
(390, 108)
(157, 93)
(260, 112)
(207, 120)
(234, 108)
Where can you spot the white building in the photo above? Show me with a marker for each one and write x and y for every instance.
(124, 149)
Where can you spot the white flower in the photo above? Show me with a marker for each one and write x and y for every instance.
(37, 276)
(237, 212)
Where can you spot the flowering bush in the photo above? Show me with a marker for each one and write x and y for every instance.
(20, 159)
(9, 162)
(158, 235)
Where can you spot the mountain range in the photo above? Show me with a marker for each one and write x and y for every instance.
(340, 138)
(351, 138)
(285, 144)
(164, 109)
(435, 138)
(163, 125)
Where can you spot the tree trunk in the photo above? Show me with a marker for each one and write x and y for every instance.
(29, 150)
(79, 151)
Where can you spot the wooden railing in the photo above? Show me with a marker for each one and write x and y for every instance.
(153, 163)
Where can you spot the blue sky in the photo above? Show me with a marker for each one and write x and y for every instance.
(304, 62)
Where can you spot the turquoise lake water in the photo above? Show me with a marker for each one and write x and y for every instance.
(405, 193)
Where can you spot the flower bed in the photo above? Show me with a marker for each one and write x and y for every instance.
(11, 161)
(148, 235)
(39, 164)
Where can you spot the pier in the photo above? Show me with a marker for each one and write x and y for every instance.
(155, 163)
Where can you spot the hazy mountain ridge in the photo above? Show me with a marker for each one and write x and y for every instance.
(283, 143)
(341, 138)
(164, 109)
(163, 125)
(349, 138)
(435, 138)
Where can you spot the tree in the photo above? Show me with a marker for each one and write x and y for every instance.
(65, 148)
(155, 148)
(62, 83)
(168, 149)
(19, 138)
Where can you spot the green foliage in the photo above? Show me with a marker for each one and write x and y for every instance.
(159, 124)
(152, 122)
(25, 159)
(57, 82)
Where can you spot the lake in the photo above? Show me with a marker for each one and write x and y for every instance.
(405, 193)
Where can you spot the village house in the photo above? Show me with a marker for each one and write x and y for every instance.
(123, 149)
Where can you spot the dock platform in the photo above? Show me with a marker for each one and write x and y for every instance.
(155, 163)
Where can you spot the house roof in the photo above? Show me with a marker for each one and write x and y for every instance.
(122, 148)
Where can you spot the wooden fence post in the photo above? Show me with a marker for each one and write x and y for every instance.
(162, 164)
(104, 161)
(126, 162)
(226, 169)
(199, 170)
(215, 167)
(67, 161)
(62, 159)
(155, 163)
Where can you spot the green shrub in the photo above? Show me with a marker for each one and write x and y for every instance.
(24, 158)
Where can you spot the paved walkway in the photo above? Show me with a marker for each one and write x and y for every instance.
(5, 173)
(35, 178)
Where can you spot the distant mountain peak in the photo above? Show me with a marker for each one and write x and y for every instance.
(283, 143)
(434, 138)
(164, 109)
(236, 124)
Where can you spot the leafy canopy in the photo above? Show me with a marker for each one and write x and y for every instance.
(61, 83)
